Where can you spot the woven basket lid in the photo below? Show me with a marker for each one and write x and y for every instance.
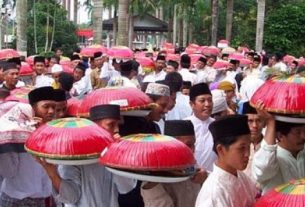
(68, 139)
(282, 95)
(287, 195)
(128, 98)
(148, 152)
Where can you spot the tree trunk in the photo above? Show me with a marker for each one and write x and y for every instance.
(21, 19)
(47, 27)
(69, 9)
(123, 23)
(75, 11)
(97, 20)
(261, 5)
(229, 19)
(35, 30)
(115, 26)
(161, 13)
(185, 27)
(180, 32)
(175, 25)
(215, 5)
(110, 12)
(53, 30)
(130, 32)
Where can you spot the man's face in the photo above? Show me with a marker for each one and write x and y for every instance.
(236, 156)
(256, 125)
(39, 68)
(255, 64)
(52, 62)
(200, 65)
(160, 65)
(211, 61)
(160, 110)
(75, 63)
(55, 76)
(230, 94)
(11, 77)
(202, 106)
(172, 102)
(232, 67)
(58, 53)
(45, 110)
(61, 109)
(98, 62)
(78, 74)
(109, 124)
(186, 91)
(170, 69)
(294, 141)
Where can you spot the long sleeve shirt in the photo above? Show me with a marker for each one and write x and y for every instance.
(91, 185)
(204, 153)
(23, 177)
(223, 189)
(274, 165)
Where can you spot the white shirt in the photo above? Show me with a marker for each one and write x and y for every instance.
(120, 81)
(281, 66)
(222, 189)
(81, 87)
(207, 75)
(274, 165)
(204, 153)
(153, 77)
(43, 80)
(108, 71)
(187, 75)
(182, 108)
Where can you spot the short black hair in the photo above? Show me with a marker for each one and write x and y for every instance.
(66, 81)
(185, 65)
(226, 142)
(284, 127)
(175, 80)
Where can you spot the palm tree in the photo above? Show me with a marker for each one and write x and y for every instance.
(229, 19)
(97, 21)
(261, 5)
(215, 8)
(21, 18)
(75, 10)
(123, 16)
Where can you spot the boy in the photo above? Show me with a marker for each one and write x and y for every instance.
(175, 194)
(227, 185)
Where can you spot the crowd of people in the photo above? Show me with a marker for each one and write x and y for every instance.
(241, 151)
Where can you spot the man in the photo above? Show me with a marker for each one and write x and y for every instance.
(58, 53)
(227, 185)
(66, 83)
(159, 73)
(256, 125)
(55, 71)
(281, 157)
(220, 107)
(201, 63)
(277, 62)
(39, 67)
(10, 76)
(185, 63)
(90, 185)
(75, 59)
(25, 182)
(80, 85)
(107, 117)
(129, 71)
(229, 90)
(179, 194)
(96, 81)
(61, 103)
(207, 74)
(172, 66)
(202, 105)
(182, 107)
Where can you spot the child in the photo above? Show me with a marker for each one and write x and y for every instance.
(175, 194)
(56, 70)
(227, 185)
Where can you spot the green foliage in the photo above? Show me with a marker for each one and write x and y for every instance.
(64, 33)
(285, 29)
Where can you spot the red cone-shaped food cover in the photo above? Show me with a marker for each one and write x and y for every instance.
(128, 98)
(148, 152)
(6, 54)
(282, 95)
(287, 195)
(120, 52)
(68, 139)
(73, 105)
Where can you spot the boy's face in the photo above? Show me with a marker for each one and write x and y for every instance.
(78, 74)
(236, 156)
(109, 124)
(61, 109)
(11, 77)
(39, 68)
(188, 141)
(45, 110)
(294, 141)
(170, 69)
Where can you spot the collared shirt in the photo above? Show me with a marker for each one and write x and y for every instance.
(42, 81)
(204, 153)
(274, 165)
(182, 108)
(187, 75)
(153, 77)
(91, 185)
(23, 176)
(222, 189)
(96, 82)
(207, 75)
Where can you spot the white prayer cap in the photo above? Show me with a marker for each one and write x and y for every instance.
(219, 101)
(56, 68)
